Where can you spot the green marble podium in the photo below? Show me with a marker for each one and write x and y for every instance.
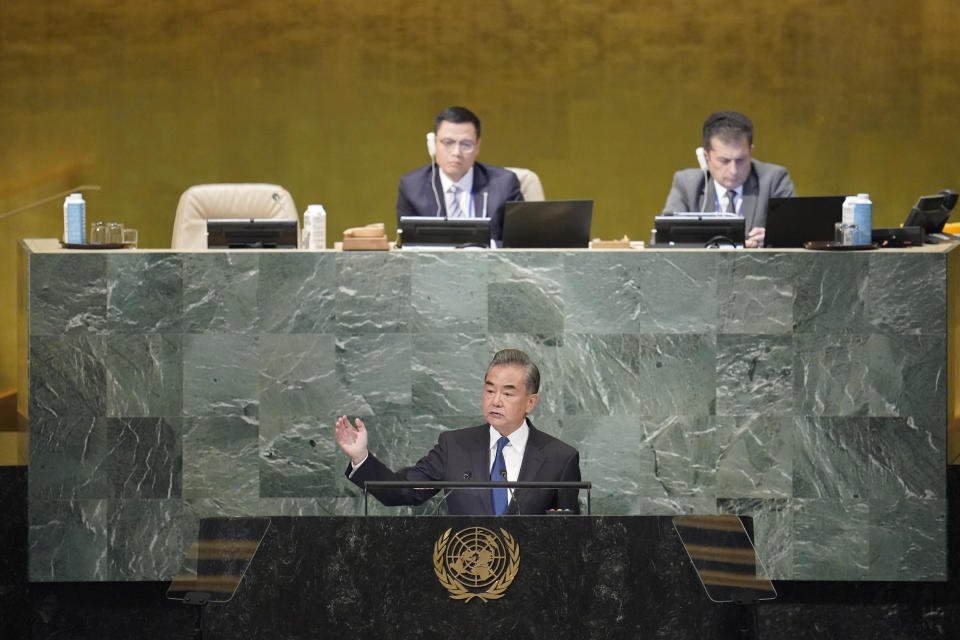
(805, 389)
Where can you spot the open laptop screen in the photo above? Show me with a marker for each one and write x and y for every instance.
(547, 224)
(793, 222)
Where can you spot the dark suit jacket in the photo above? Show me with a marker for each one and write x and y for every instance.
(415, 196)
(765, 181)
(465, 453)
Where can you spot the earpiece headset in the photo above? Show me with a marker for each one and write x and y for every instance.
(432, 150)
(702, 161)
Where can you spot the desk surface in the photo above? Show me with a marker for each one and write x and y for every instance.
(52, 245)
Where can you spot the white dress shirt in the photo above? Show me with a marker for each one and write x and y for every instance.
(512, 452)
(466, 192)
(721, 197)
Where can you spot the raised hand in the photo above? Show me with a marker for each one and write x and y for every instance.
(353, 440)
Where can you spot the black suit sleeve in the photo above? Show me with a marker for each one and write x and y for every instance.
(513, 194)
(404, 205)
(568, 498)
(430, 468)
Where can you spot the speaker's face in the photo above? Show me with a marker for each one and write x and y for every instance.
(505, 399)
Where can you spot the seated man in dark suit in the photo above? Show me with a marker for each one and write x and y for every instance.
(508, 447)
(463, 187)
(738, 183)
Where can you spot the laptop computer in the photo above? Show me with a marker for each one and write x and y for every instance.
(547, 224)
(792, 222)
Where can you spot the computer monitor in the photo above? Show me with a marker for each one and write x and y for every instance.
(437, 233)
(251, 233)
(698, 230)
(932, 212)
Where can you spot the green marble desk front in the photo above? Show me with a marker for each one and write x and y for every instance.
(807, 389)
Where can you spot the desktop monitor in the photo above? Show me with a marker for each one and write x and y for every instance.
(698, 230)
(251, 233)
(435, 232)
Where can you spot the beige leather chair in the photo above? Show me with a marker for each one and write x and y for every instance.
(530, 185)
(202, 202)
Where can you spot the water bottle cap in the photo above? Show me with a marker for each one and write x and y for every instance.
(863, 195)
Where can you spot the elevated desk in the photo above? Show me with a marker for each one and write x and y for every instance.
(810, 390)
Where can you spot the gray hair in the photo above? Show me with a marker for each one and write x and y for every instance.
(515, 357)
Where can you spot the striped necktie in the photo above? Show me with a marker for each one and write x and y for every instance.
(454, 210)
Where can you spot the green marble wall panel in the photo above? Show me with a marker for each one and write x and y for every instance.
(220, 458)
(68, 455)
(74, 298)
(297, 294)
(67, 375)
(145, 294)
(144, 375)
(70, 540)
(220, 293)
(805, 389)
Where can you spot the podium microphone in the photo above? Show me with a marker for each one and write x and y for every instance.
(513, 494)
(445, 493)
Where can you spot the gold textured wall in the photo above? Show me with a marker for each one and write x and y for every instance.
(331, 99)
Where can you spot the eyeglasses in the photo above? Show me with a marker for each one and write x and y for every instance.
(466, 146)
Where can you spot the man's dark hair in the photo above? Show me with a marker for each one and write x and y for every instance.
(729, 126)
(515, 357)
(457, 115)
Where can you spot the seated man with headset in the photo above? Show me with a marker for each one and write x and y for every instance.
(463, 187)
(737, 183)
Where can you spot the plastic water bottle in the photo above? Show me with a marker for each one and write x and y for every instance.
(74, 219)
(315, 227)
(858, 211)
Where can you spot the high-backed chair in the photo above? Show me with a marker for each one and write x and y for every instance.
(203, 202)
(530, 185)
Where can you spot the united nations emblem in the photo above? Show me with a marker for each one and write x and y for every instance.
(476, 563)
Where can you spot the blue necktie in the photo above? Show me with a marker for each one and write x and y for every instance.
(498, 474)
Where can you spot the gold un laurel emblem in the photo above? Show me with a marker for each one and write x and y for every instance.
(476, 563)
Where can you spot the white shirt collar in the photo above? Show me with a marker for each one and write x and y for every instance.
(721, 192)
(465, 182)
(518, 439)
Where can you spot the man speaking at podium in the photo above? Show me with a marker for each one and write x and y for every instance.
(737, 183)
(508, 448)
(463, 187)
